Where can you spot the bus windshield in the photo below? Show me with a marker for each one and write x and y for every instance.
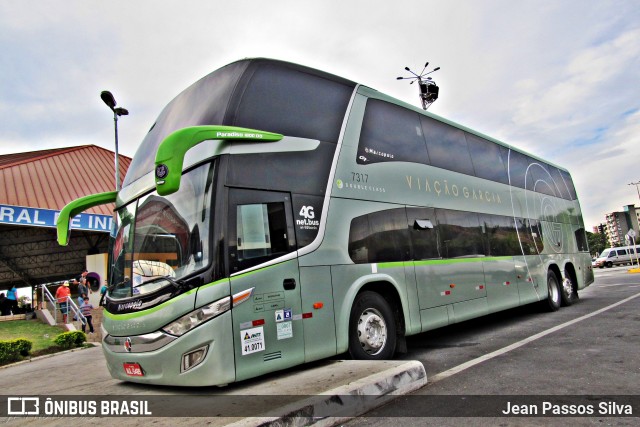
(160, 240)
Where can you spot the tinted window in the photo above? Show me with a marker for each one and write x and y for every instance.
(622, 251)
(292, 102)
(307, 212)
(379, 237)
(256, 93)
(489, 159)
(446, 146)
(359, 239)
(581, 240)
(202, 103)
(563, 190)
(390, 133)
(569, 183)
(518, 166)
(530, 232)
(526, 239)
(542, 181)
(501, 235)
(274, 171)
(534, 175)
(424, 233)
(460, 234)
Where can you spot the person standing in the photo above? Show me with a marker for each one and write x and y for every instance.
(62, 293)
(83, 291)
(83, 286)
(86, 308)
(12, 299)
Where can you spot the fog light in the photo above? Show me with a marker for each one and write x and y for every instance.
(193, 358)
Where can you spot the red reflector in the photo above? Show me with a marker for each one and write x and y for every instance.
(447, 292)
(307, 315)
(133, 369)
(481, 286)
(318, 305)
(258, 322)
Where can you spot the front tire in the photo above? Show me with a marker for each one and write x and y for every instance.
(372, 328)
(552, 303)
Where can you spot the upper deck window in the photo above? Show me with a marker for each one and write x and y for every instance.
(391, 133)
(447, 146)
(489, 159)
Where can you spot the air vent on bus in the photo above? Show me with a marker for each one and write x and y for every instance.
(273, 356)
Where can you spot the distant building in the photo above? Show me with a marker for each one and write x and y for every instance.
(618, 225)
(34, 187)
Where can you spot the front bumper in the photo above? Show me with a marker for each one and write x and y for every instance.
(160, 356)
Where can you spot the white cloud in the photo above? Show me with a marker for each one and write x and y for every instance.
(558, 79)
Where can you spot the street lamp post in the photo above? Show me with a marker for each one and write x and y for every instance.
(108, 99)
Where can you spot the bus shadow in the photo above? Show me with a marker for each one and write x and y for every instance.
(467, 333)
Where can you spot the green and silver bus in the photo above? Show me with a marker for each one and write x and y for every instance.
(276, 214)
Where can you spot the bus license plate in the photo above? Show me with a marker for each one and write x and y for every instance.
(133, 369)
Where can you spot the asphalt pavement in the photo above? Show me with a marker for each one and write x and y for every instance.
(474, 370)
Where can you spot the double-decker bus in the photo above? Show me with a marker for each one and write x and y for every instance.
(276, 214)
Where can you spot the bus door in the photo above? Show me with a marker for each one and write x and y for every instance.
(267, 328)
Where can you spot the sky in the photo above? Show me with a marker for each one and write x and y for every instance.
(559, 79)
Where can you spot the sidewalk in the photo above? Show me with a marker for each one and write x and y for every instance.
(322, 393)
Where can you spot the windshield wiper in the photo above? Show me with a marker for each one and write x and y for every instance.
(178, 284)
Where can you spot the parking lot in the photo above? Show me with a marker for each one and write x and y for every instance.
(582, 355)
(525, 355)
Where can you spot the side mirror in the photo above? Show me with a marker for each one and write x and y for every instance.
(77, 206)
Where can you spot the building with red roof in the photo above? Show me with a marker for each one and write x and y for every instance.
(34, 187)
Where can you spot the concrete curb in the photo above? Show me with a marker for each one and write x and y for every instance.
(348, 401)
(633, 270)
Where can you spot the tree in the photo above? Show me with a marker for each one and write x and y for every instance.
(597, 242)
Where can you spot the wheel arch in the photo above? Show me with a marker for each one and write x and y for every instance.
(381, 284)
(570, 270)
(553, 267)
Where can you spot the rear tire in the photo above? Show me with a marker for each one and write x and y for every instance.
(372, 328)
(553, 301)
(569, 291)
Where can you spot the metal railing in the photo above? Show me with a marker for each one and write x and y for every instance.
(50, 303)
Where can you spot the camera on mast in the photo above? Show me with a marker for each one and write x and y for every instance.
(428, 88)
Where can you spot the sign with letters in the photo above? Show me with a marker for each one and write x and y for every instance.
(36, 217)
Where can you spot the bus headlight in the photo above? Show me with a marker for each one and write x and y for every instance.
(191, 320)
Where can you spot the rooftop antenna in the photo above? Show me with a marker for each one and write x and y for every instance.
(428, 88)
